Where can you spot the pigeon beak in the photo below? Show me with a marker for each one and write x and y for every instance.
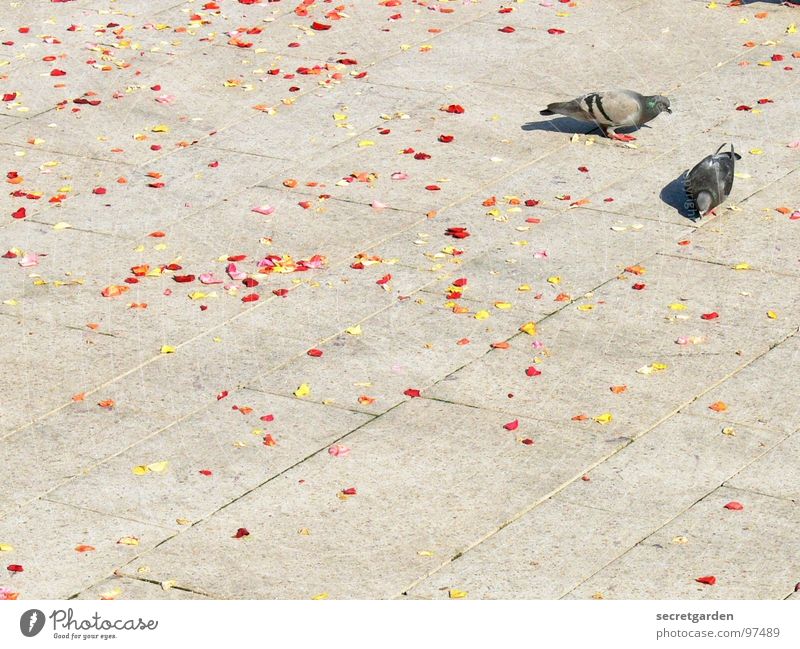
(669, 110)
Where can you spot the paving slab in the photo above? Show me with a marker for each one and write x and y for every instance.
(71, 442)
(127, 588)
(623, 358)
(614, 507)
(37, 380)
(319, 209)
(409, 345)
(758, 395)
(749, 552)
(511, 255)
(49, 179)
(316, 122)
(435, 505)
(774, 473)
(222, 441)
(63, 550)
(543, 555)
(664, 472)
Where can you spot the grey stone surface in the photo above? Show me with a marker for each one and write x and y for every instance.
(414, 211)
(736, 547)
(127, 588)
(369, 545)
(45, 535)
(543, 555)
(774, 473)
(407, 345)
(639, 328)
(760, 394)
(221, 440)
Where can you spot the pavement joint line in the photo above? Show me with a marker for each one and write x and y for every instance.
(137, 578)
(192, 339)
(97, 511)
(200, 409)
(589, 468)
(658, 529)
(752, 269)
(257, 487)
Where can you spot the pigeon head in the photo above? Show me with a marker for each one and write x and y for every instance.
(658, 104)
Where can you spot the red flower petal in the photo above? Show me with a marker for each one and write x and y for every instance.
(555, 31)
(205, 472)
(710, 316)
(508, 29)
(734, 505)
(241, 532)
(512, 425)
(19, 214)
(446, 138)
(412, 392)
(456, 109)
(316, 353)
(251, 297)
(15, 567)
(183, 279)
(320, 27)
(532, 371)
(710, 580)
(350, 491)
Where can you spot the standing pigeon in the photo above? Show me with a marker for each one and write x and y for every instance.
(612, 110)
(709, 182)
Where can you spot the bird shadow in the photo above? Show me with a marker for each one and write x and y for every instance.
(573, 127)
(561, 125)
(674, 194)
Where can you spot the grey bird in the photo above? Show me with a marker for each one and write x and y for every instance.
(612, 109)
(710, 181)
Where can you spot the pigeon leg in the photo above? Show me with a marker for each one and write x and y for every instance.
(611, 132)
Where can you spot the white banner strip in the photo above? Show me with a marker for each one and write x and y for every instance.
(408, 624)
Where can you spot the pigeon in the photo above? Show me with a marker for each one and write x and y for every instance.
(709, 182)
(612, 110)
